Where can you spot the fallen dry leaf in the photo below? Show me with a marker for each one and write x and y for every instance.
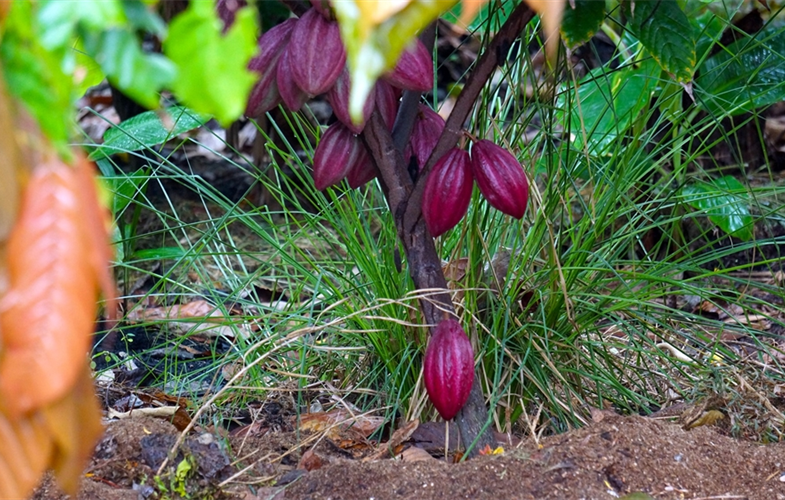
(399, 436)
(337, 421)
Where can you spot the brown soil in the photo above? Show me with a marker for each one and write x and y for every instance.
(610, 458)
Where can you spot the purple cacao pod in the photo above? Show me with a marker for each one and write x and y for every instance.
(227, 9)
(337, 151)
(264, 95)
(448, 191)
(338, 97)
(387, 102)
(500, 177)
(324, 8)
(362, 171)
(428, 127)
(448, 368)
(291, 94)
(316, 53)
(414, 70)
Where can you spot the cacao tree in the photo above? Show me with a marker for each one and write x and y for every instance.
(362, 54)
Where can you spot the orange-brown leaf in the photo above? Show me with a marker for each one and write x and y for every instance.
(75, 426)
(47, 315)
(469, 9)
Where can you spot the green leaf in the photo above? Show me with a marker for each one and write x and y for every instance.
(722, 203)
(57, 20)
(607, 103)
(749, 74)
(372, 50)
(147, 130)
(124, 188)
(159, 253)
(139, 75)
(213, 76)
(664, 29)
(36, 77)
(581, 23)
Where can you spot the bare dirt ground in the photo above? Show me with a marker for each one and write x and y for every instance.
(610, 458)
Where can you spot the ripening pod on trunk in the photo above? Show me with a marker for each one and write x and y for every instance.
(337, 152)
(500, 177)
(338, 97)
(362, 171)
(428, 127)
(448, 368)
(448, 191)
(291, 94)
(414, 70)
(316, 53)
(387, 102)
(264, 95)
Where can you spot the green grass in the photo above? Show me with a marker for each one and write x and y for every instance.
(590, 313)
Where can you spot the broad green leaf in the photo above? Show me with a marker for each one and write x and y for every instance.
(607, 103)
(723, 203)
(147, 130)
(138, 74)
(213, 77)
(57, 20)
(87, 72)
(749, 74)
(373, 48)
(581, 23)
(35, 76)
(663, 28)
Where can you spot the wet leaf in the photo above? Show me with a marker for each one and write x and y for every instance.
(148, 129)
(723, 203)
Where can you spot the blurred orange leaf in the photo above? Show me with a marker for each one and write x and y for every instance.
(47, 314)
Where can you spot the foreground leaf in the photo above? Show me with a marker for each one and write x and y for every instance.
(56, 263)
(213, 75)
(373, 45)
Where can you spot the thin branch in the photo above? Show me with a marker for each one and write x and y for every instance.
(482, 71)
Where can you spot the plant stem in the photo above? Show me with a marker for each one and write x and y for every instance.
(405, 202)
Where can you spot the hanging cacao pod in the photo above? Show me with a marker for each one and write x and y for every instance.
(448, 191)
(500, 177)
(264, 95)
(448, 368)
(316, 53)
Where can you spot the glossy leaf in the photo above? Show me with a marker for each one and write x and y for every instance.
(609, 102)
(664, 29)
(723, 202)
(746, 76)
(582, 22)
(213, 75)
(146, 130)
